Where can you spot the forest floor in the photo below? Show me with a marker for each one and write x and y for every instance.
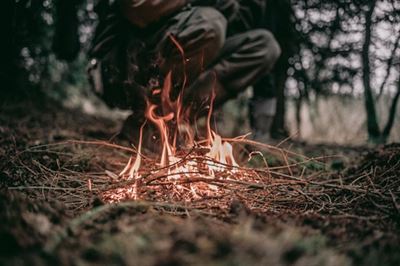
(342, 207)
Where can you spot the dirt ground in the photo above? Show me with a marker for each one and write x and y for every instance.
(346, 212)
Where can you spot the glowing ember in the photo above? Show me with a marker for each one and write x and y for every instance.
(173, 127)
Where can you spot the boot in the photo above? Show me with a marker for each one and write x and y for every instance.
(262, 112)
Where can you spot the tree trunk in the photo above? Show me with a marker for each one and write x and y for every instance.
(392, 114)
(8, 52)
(66, 43)
(372, 123)
(389, 66)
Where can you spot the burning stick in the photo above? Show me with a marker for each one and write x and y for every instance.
(196, 175)
(167, 116)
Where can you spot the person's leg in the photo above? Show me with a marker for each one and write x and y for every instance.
(232, 64)
(192, 41)
(244, 59)
(262, 106)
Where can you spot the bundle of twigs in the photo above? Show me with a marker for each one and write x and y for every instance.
(73, 173)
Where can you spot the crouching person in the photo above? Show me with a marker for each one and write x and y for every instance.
(137, 42)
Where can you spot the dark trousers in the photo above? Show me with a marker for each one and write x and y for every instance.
(231, 62)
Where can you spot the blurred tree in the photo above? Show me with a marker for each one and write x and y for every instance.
(40, 36)
(22, 26)
(372, 122)
(8, 67)
(66, 43)
(374, 133)
(344, 50)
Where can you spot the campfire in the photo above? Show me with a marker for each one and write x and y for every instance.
(189, 164)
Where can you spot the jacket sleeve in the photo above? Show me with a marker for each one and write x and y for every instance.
(144, 12)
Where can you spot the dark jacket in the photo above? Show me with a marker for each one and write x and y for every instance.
(124, 15)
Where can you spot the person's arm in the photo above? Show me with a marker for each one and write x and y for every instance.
(144, 12)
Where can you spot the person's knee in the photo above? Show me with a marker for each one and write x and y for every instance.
(212, 26)
(269, 48)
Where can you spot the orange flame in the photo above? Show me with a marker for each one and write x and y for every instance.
(132, 170)
(173, 124)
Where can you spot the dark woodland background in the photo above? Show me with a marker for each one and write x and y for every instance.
(329, 197)
(338, 78)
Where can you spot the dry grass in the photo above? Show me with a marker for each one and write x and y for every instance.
(75, 173)
(355, 209)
